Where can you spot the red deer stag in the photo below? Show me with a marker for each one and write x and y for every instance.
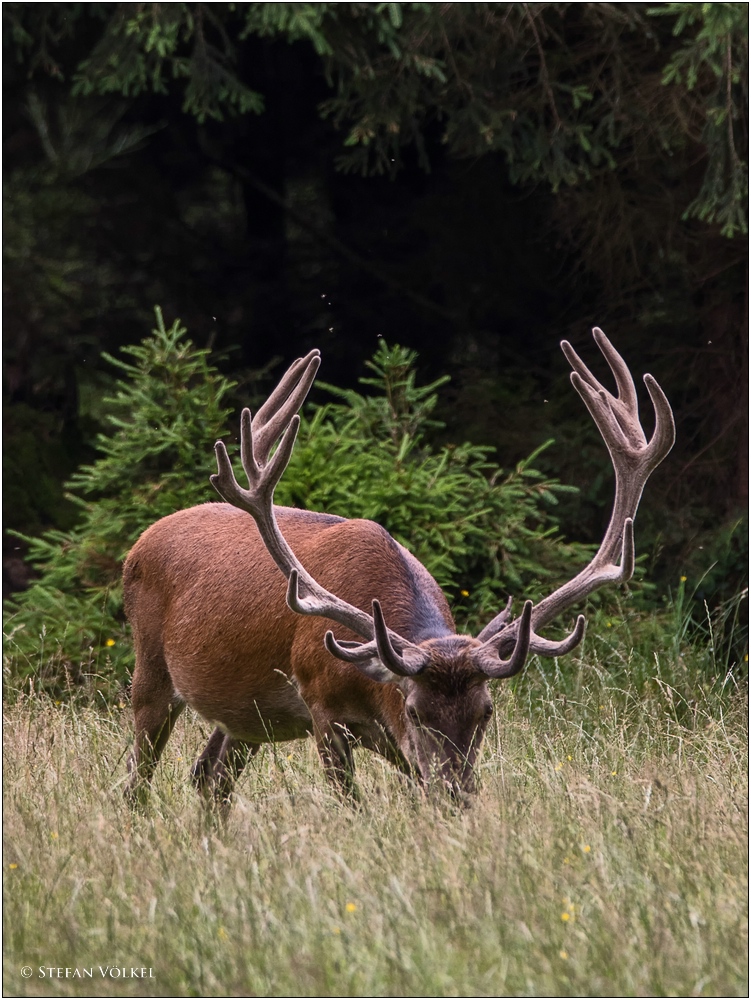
(216, 628)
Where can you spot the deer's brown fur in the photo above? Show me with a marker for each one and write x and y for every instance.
(212, 630)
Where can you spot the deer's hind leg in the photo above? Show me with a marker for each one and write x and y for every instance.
(220, 765)
(201, 772)
(156, 708)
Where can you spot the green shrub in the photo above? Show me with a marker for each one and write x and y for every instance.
(166, 413)
(479, 530)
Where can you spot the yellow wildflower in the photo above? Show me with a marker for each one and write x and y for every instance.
(565, 917)
(110, 642)
(350, 907)
(464, 593)
(587, 848)
(12, 865)
(563, 954)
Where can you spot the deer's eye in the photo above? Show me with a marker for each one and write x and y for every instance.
(414, 715)
(488, 711)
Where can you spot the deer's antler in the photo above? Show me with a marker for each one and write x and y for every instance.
(634, 459)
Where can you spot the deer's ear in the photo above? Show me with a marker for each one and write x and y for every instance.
(374, 670)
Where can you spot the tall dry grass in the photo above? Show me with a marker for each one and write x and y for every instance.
(605, 854)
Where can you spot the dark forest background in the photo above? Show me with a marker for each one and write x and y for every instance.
(475, 181)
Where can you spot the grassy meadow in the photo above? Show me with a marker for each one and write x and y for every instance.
(605, 854)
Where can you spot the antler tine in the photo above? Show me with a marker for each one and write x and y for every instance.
(411, 661)
(351, 652)
(284, 401)
(663, 438)
(628, 553)
(498, 623)
(544, 647)
(487, 659)
(623, 379)
(286, 384)
(504, 615)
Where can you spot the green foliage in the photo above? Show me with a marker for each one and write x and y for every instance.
(144, 47)
(165, 414)
(296, 22)
(714, 60)
(528, 81)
